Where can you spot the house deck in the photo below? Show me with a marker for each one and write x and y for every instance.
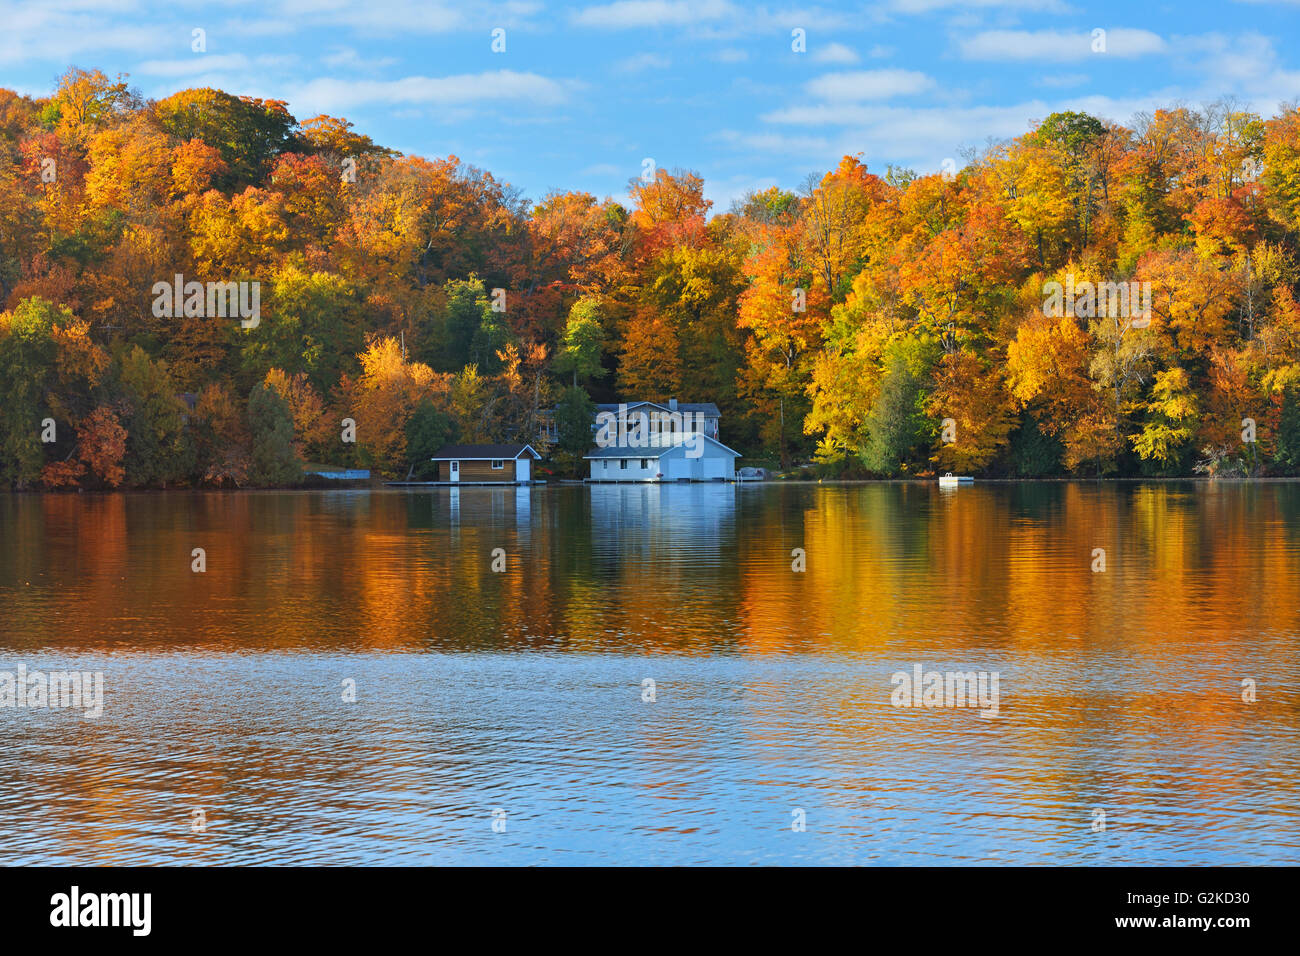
(461, 484)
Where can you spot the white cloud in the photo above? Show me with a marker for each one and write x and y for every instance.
(632, 14)
(1058, 45)
(724, 192)
(1245, 66)
(603, 169)
(1063, 80)
(325, 94)
(714, 19)
(924, 137)
(386, 16)
(802, 145)
(390, 17)
(35, 33)
(194, 65)
(931, 6)
(260, 28)
(869, 85)
(835, 53)
(348, 58)
(644, 61)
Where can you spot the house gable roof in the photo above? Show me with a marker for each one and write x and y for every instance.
(707, 409)
(482, 452)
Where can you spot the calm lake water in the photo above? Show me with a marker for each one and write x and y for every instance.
(520, 692)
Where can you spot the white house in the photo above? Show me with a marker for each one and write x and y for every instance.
(700, 458)
(667, 417)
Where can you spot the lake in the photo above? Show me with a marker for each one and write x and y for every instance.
(702, 674)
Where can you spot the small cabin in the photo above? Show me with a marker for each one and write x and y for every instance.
(485, 464)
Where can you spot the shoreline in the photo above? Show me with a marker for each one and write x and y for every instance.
(846, 482)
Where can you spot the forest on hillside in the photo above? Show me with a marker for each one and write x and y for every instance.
(868, 324)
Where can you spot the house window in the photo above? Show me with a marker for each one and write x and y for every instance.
(622, 463)
(645, 463)
(497, 465)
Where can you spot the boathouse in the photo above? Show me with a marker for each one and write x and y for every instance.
(484, 464)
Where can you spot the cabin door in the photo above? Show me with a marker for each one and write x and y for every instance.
(455, 471)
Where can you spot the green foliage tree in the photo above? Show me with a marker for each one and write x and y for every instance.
(584, 341)
(428, 429)
(27, 353)
(158, 449)
(574, 415)
(492, 335)
(466, 311)
(275, 461)
(1287, 451)
(1033, 452)
(896, 427)
(314, 323)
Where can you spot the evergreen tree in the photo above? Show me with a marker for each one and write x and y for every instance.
(1287, 452)
(574, 416)
(896, 425)
(428, 430)
(158, 449)
(275, 462)
(27, 354)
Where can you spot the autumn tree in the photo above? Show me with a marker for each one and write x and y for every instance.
(1171, 419)
(222, 439)
(973, 399)
(382, 399)
(88, 100)
(313, 433)
(1047, 373)
(248, 132)
(785, 308)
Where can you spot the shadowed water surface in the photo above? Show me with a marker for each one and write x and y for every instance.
(522, 691)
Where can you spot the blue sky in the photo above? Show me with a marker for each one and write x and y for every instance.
(584, 93)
